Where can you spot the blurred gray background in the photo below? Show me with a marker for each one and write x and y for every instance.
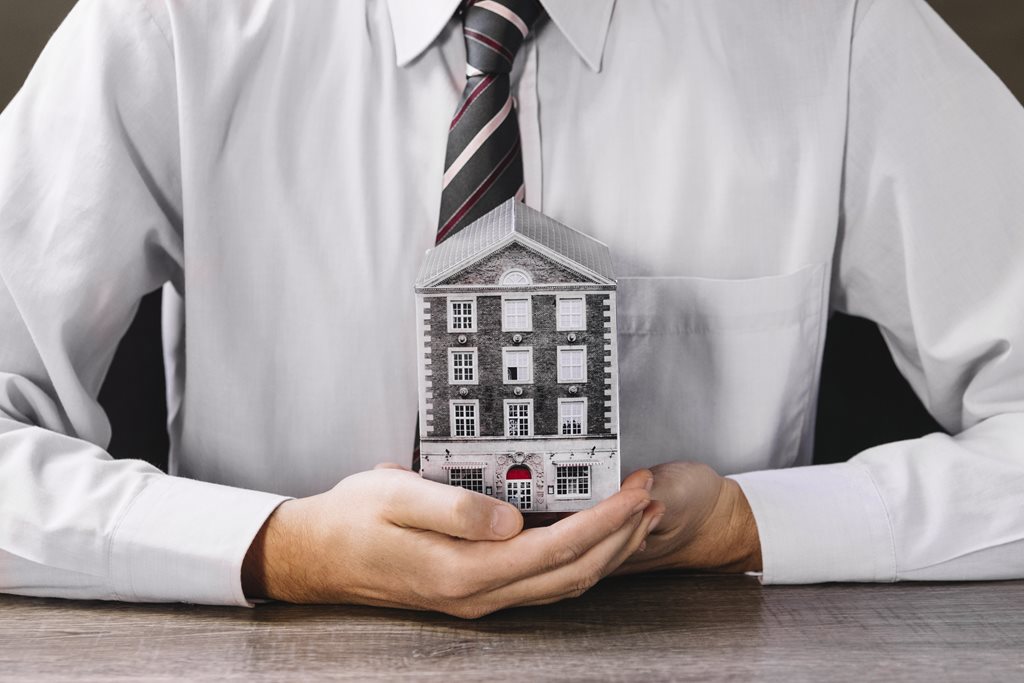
(864, 401)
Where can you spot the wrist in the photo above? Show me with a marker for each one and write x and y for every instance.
(744, 542)
(728, 540)
(273, 564)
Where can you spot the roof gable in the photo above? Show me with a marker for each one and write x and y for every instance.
(511, 222)
(490, 269)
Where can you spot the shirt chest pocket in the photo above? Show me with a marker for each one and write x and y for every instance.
(719, 371)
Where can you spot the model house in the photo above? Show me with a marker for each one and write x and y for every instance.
(518, 362)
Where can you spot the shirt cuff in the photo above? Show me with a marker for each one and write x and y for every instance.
(821, 523)
(182, 540)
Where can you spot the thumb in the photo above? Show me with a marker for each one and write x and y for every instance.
(643, 478)
(422, 504)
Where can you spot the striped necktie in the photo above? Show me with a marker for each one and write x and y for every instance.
(484, 162)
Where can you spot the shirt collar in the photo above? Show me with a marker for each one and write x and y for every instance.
(417, 23)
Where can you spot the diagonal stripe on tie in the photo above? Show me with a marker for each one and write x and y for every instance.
(489, 42)
(505, 13)
(479, 168)
(482, 136)
(471, 96)
(479, 191)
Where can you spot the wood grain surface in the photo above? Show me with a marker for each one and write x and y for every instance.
(656, 627)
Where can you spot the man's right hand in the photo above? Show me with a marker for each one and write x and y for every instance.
(388, 537)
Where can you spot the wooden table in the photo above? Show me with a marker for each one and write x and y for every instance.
(656, 627)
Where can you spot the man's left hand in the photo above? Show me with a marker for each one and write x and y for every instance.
(707, 524)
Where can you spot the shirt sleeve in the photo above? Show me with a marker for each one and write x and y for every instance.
(90, 221)
(931, 247)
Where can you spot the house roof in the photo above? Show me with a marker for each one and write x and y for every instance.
(509, 222)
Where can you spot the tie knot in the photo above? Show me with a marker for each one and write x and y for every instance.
(495, 30)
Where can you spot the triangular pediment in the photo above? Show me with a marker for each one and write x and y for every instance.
(580, 257)
(516, 255)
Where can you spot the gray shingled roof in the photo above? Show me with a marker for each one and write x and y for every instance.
(501, 226)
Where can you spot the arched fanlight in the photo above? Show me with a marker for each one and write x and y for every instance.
(519, 472)
(515, 278)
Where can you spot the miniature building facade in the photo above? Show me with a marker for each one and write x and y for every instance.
(518, 369)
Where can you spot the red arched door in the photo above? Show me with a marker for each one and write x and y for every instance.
(519, 487)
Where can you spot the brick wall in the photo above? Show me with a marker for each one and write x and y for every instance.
(545, 390)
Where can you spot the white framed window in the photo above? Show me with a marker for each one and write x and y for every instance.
(519, 417)
(517, 364)
(572, 364)
(572, 416)
(462, 366)
(465, 419)
(517, 315)
(572, 481)
(572, 313)
(462, 314)
(471, 478)
(515, 278)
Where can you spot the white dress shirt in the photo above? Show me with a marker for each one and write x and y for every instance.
(753, 165)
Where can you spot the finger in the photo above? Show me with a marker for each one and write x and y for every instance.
(536, 551)
(485, 584)
(574, 536)
(577, 585)
(641, 479)
(652, 516)
(422, 504)
(574, 579)
(644, 562)
(557, 584)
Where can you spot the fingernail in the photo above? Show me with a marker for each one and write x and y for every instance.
(650, 484)
(504, 521)
(654, 524)
(643, 547)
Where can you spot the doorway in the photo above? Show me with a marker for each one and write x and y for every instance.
(519, 487)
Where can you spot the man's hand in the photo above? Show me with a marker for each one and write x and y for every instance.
(388, 537)
(707, 525)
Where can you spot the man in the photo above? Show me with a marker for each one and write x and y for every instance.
(752, 165)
